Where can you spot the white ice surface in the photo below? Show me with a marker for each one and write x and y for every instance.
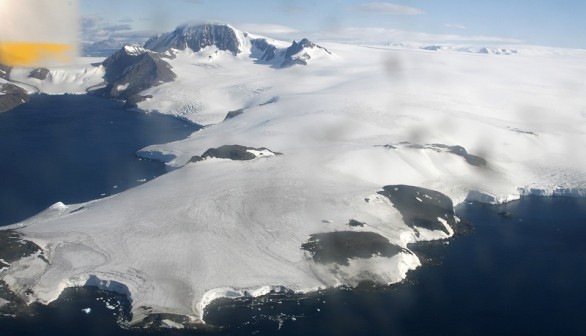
(73, 79)
(231, 228)
(171, 324)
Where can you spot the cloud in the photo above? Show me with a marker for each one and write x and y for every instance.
(126, 19)
(268, 29)
(90, 22)
(456, 26)
(389, 9)
(378, 35)
(119, 27)
(95, 28)
(135, 35)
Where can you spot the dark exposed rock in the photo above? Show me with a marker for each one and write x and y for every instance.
(421, 207)
(132, 70)
(471, 159)
(196, 37)
(456, 150)
(297, 47)
(77, 210)
(5, 71)
(270, 101)
(268, 50)
(461, 151)
(355, 223)
(233, 114)
(338, 247)
(13, 247)
(39, 73)
(291, 56)
(294, 61)
(232, 152)
(432, 48)
(520, 131)
(11, 96)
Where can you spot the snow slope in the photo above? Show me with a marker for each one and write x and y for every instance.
(346, 126)
(77, 78)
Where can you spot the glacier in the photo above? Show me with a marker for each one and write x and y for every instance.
(473, 126)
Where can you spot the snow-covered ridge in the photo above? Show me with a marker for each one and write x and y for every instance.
(475, 50)
(132, 70)
(223, 37)
(197, 37)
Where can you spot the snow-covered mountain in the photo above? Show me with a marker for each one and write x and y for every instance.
(198, 37)
(132, 70)
(223, 37)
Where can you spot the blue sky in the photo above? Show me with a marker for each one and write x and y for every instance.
(540, 22)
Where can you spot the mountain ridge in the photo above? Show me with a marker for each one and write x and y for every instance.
(224, 37)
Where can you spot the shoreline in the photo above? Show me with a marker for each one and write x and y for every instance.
(229, 294)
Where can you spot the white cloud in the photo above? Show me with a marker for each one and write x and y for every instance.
(456, 26)
(261, 28)
(95, 28)
(389, 9)
(375, 34)
(126, 19)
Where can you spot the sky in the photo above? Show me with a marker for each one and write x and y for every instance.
(558, 23)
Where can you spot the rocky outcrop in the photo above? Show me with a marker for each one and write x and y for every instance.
(11, 96)
(132, 70)
(39, 73)
(267, 52)
(422, 208)
(340, 246)
(5, 71)
(472, 160)
(298, 52)
(234, 152)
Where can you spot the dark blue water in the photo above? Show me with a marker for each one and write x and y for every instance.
(523, 274)
(74, 149)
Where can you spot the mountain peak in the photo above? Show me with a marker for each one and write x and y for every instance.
(197, 37)
(300, 52)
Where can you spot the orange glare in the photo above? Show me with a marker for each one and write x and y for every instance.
(29, 54)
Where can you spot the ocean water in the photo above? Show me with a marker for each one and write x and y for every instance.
(75, 148)
(521, 272)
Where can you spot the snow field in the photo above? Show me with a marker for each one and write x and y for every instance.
(222, 228)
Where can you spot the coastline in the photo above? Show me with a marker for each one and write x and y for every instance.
(259, 293)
